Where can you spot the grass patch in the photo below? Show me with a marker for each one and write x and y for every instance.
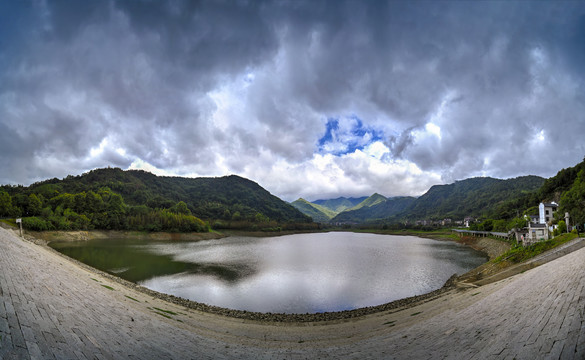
(521, 253)
(11, 222)
(477, 293)
(165, 311)
(416, 313)
(108, 287)
(389, 322)
(131, 298)
(96, 280)
(161, 314)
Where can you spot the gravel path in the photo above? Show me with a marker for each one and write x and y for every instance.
(51, 307)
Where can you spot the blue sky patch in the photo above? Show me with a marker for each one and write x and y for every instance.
(346, 135)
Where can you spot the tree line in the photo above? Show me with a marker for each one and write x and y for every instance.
(111, 198)
(104, 209)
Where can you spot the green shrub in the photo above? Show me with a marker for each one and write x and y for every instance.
(36, 224)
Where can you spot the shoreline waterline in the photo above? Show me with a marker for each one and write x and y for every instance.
(274, 317)
(81, 308)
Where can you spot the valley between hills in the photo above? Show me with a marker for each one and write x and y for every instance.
(114, 199)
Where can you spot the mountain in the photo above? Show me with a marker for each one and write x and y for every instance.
(138, 194)
(474, 197)
(369, 202)
(340, 204)
(377, 210)
(567, 188)
(364, 209)
(317, 212)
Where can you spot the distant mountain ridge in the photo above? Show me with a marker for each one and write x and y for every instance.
(317, 212)
(379, 210)
(473, 197)
(111, 198)
(340, 204)
(362, 209)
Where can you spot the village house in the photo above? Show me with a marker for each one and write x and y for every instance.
(541, 230)
(546, 211)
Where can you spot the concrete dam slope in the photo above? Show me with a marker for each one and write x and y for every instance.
(51, 307)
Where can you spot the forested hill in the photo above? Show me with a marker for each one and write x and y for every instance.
(229, 201)
(317, 212)
(481, 197)
(340, 204)
(376, 211)
(476, 197)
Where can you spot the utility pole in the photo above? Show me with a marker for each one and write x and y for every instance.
(567, 220)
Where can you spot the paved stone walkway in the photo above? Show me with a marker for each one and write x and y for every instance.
(53, 308)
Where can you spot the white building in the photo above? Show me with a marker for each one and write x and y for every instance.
(539, 229)
(546, 211)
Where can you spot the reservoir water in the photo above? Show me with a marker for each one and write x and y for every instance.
(303, 273)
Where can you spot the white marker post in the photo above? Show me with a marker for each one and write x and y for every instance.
(19, 221)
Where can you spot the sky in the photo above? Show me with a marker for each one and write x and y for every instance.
(314, 99)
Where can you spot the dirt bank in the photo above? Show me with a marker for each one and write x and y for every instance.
(491, 247)
(49, 236)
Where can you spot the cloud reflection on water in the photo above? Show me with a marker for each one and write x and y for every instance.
(311, 272)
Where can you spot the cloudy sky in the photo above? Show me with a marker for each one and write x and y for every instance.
(317, 99)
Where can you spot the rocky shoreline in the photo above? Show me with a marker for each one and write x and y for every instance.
(281, 317)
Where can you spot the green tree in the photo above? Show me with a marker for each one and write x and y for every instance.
(486, 225)
(573, 200)
(93, 202)
(517, 223)
(116, 204)
(259, 217)
(562, 227)
(6, 207)
(35, 205)
(181, 208)
(500, 226)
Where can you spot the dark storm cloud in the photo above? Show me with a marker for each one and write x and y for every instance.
(453, 89)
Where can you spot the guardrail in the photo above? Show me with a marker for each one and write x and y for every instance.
(486, 233)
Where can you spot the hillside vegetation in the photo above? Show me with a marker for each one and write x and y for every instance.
(137, 200)
(482, 197)
(340, 204)
(115, 199)
(378, 210)
(317, 212)
(475, 197)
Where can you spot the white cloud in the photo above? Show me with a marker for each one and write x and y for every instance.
(217, 88)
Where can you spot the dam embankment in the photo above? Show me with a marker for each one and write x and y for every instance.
(51, 307)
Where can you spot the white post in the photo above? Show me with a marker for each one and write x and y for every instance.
(19, 221)
(567, 220)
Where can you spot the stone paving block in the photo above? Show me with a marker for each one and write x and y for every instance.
(4, 328)
(28, 334)
(557, 349)
(81, 356)
(15, 332)
(17, 354)
(34, 351)
(41, 343)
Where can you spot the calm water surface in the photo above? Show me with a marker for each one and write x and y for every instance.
(291, 274)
